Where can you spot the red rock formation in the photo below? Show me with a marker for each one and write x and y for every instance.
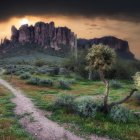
(44, 34)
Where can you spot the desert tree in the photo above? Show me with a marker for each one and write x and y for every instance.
(101, 58)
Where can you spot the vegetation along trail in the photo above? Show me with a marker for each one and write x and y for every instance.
(34, 120)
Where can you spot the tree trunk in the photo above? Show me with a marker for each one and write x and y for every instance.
(106, 93)
(106, 97)
(90, 75)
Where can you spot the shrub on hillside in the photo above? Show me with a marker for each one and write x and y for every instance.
(72, 81)
(78, 77)
(121, 114)
(77, 65)
(40, 62)
(123, 69)
(53, 71)
(45, 82)
(85, 106)
(10, 70)
(63, 84)
(64, 100)
(115, 84)
(33, 81)
(40, 82)
(25, 76)
(19, 72)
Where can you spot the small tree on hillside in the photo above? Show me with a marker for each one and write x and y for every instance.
(100, 58)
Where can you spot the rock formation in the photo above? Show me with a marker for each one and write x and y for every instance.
(58, 40)
(44, 34)
(119, 45)
(15, 34)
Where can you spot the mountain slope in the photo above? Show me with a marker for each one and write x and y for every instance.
(58, 41)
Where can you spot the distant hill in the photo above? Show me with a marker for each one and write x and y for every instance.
(60, 41)
(119, 45)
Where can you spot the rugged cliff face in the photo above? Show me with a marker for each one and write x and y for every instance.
(120, 46)
(44, 34)
(59, 40)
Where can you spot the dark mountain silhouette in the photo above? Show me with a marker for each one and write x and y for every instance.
(57, 40)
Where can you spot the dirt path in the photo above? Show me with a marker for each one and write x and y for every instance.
(35, 122)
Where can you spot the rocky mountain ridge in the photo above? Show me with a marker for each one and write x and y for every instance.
(44, 34)
(59, 39)
(119, 45)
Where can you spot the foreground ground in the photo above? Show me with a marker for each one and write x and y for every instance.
(34, 120)
(44, 96)
(10, 129)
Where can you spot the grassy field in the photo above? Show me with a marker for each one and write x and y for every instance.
(101, 125)
(29, 58)
(9, 126)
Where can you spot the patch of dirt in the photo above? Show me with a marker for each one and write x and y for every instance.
(34, 120)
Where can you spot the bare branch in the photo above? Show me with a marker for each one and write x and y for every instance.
(123, 100)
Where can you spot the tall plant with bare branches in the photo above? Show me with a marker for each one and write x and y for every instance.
(100, 58)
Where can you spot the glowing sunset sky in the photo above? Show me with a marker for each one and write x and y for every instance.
(87, 18)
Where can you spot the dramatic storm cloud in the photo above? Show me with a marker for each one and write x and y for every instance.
(120, 9)
(87, 18)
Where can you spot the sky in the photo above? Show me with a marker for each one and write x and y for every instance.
(87, 18)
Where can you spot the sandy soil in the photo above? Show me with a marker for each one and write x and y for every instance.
(34, 120)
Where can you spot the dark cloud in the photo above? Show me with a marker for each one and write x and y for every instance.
(120, 9)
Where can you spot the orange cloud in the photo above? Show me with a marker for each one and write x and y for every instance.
(84, 28)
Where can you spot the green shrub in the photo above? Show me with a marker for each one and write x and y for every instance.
(115, 84)
(63, 84)
(45, 82)
(19, 72)
(78, 77)
(40, 62)
(33, 81)
(53, 71)
(64, 100)
(25, 76)
(121, 114)
(123, 69)
(72, 81)
(85, 106)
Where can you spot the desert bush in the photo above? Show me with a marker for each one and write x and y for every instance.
(77, 65)
(121, 114)
(19, 72)
(63, 84)
(25, 76)
(85, 106)
(40, 82)
(123, 69)
(42, 70)
(33, 81)
(10, 70)
(40, 63)
(115, 84)
(64, 100)
(53, 71)
(72, 81)
(45, 82)
(78, 77)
